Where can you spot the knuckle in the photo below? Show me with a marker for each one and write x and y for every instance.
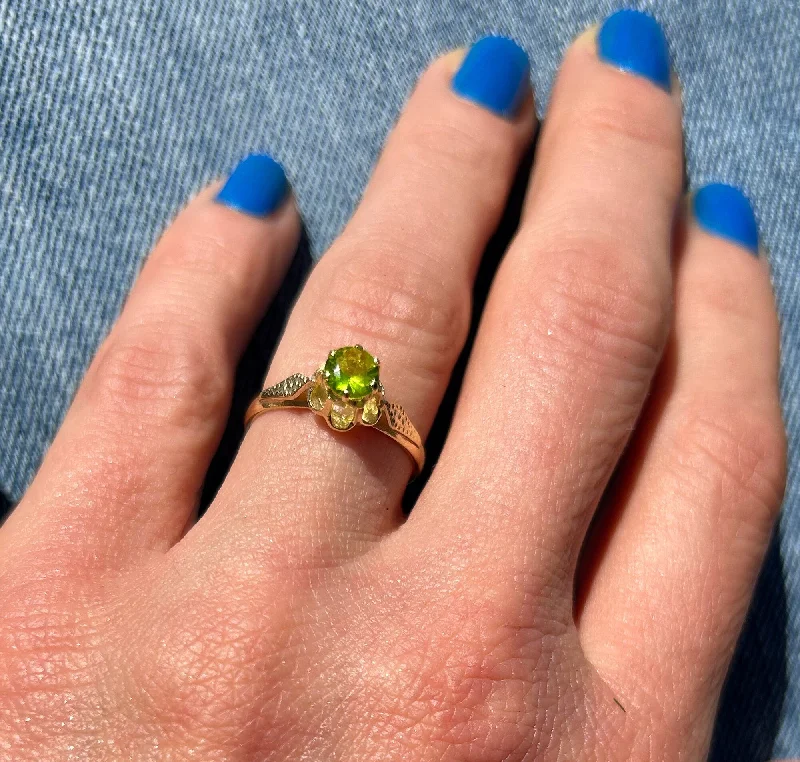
(739, 454)
(200, 255)
(465, 684)
(477, 163)
(465, 147)
(192, 252)
(447, 141)
(638, 126)
(735, 294)
(44, 637)
(602, 309)
(402, 302)
(190, 679)
(211, 672)
(163, 369)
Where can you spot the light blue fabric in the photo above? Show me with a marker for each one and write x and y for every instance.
(113, 112)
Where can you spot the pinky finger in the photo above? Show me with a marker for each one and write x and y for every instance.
(676, 557)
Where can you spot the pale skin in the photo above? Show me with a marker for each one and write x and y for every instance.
(301, 618)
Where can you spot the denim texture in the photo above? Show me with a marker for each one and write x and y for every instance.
(113, 112)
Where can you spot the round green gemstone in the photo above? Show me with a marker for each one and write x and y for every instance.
(351, 372)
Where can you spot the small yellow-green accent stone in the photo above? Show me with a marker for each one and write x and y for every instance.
(342, 415)
(318, 397)
(351, 372)
(371, 411)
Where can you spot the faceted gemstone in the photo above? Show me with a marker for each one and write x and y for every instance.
(342, 415)
(351, 372)
(371, 411)
(318, 396)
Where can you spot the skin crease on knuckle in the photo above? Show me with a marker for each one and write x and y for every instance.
(598, 308)
(452, 147)
(609, 116)
(161, 370)
(400, 307)
(742, 453)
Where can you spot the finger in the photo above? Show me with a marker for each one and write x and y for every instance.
(575, 323)
(674, 562)
(125, 470)
(398, 282)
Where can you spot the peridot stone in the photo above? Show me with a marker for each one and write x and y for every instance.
(351, 372)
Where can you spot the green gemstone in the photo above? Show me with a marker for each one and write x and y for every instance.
(351, 372)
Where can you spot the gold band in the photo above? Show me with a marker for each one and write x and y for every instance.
(301, 392)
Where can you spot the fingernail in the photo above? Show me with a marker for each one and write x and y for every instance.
(257, 186)
(494, 74)
(634, 42)
(725, 211)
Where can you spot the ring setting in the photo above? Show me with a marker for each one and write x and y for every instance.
(347, 389)
(347, 392)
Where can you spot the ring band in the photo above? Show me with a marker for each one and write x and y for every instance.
(347, 392)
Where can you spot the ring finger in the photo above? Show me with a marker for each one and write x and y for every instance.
(398, 282)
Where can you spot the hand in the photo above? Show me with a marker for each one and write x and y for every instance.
(300, 618)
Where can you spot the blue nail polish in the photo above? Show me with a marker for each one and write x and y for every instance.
(256, 186)
(494, 74)
(633, 41)
(725, 211)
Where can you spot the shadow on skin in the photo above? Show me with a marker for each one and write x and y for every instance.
(489, 263)
(752, 700)
(253, 367)
(5, 507)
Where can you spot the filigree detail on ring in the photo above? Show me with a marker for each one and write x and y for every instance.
(347, 392)
(286, 388)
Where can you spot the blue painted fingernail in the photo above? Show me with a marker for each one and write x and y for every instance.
(256, 186)
(634, 41)
(725, 211)
(494, 74)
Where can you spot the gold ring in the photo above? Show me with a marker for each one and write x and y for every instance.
(347, 392)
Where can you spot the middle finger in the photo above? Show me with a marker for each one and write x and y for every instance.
(576, 321)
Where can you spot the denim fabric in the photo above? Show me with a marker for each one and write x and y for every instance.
(113, 112)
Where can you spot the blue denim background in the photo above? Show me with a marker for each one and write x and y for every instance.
(112, 112)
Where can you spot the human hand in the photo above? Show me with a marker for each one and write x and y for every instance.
(300, 618)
